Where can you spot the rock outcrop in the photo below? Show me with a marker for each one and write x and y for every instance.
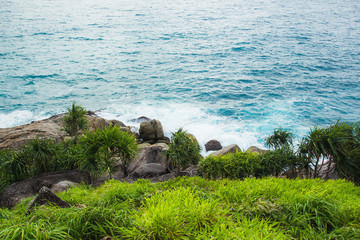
(229, 149)
(46, 196)
(16, 137)
(213, 145)
(14, 193)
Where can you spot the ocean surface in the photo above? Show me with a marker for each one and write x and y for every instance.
(232, 70)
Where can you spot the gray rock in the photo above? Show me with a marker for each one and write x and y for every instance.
(213, 145)
(163, 178)
(191, 171)
(151, 131)
(148, 154)
(14, 193)
(229, 149)
(149, 170)
(147, 131)
(62, 186)
(45, 196)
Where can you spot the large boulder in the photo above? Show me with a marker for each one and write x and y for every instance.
(16, 137)
(14, 193)
(151, 131)
(148, 154)
(213, 145)
(229, 149)
(46, 196)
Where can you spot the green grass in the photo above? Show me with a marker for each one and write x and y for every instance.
(195, 208)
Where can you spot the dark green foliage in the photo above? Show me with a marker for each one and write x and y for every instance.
(75, 120)
(184, 150)
(105, 147)
(280, 138)
(338, 145)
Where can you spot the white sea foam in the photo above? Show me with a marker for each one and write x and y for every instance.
(195, 120)
(20, 117)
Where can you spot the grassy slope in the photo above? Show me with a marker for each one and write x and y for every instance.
(195, 208)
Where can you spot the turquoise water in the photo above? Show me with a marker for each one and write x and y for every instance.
(231, 70)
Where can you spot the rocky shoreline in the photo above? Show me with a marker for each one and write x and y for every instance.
(149, 163)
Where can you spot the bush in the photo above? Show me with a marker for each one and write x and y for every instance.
(280, 138)
(184, 150)
(75, 120)
(247, 164)
(338, 146)
(103, 146)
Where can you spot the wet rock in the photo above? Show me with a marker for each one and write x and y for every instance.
(213, 145)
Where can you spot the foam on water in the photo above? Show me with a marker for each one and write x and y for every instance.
(20, 117)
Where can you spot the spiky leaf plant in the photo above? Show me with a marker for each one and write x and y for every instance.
(183, 150)
(75, 120)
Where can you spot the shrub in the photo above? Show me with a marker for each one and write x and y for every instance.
(103, 146)
(280, 138)
(337, 146)
(75, 120)
(183, 150)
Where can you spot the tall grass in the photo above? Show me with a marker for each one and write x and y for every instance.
(195, 208)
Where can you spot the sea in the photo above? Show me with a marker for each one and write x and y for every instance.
(230, 70)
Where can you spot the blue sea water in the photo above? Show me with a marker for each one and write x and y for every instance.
(231, 70)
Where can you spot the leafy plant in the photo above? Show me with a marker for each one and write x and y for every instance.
(75, 120)
(183, 150)
(279, 138)
(335, 148)
(104, 145)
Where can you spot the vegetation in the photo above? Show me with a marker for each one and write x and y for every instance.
(184, 150)
(75, 120)
(247, 164)
(195, 208)
(279, 139)
(105, 147)
(335, 148)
